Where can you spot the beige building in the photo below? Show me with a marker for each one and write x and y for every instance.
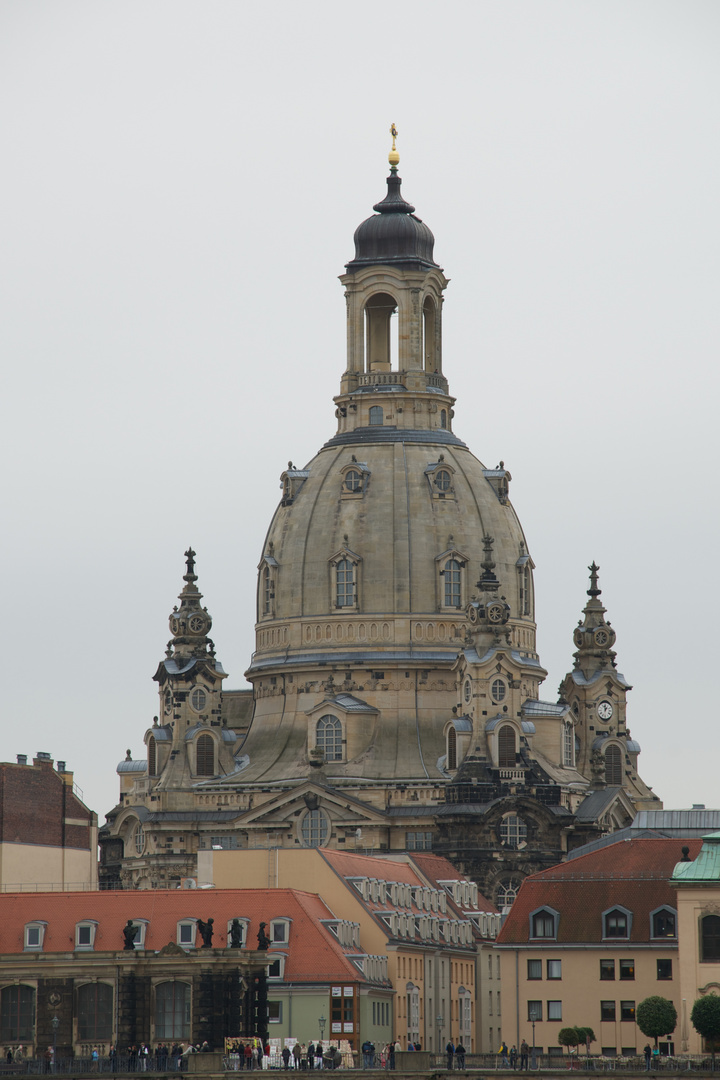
(697, 880)
(587, 941)
(395, 680)
(434, 928)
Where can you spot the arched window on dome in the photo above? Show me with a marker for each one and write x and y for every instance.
(266, 590)
(381, 333)
(443, 419)
(267, 581)
(328, 738)
(152, 756)
(453, 597)
(375, 416)
(452, 749)
(345, 584)
(205, 756)
(613, 766)
(506, 747)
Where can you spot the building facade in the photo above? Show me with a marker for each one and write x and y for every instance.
(395, 680)
(182, 978)
(587, 941)
(434, 929)
(48, 837)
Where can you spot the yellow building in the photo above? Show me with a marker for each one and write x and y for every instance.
(435, 929)
(585, 942)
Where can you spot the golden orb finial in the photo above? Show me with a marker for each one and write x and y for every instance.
(393, 156)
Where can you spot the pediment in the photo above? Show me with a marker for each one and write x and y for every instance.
(310, 796)
(345, 703)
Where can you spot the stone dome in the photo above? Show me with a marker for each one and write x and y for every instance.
(394, 235)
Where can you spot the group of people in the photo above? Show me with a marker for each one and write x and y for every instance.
(455, 1055)
(251, 1055)
(509, 1058)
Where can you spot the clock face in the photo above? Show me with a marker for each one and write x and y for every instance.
(174, 626)
(578, 638)
(605, 710)
(495, 613)
(197, 624)
(601, 638)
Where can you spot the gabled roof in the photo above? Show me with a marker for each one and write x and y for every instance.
(313, 954)
(632, 874)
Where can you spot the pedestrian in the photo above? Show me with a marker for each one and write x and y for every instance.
(318, 1055)
(95, 1058)
(286, 1057)
(368, 1053)
(503, 1055)
(297, 1054)
(113, 1059)
(311, 1055)
(460, 1055)
(450, 1051)
(391, 1055)
(524, 1051)
(48, 1056)
(513, 1057)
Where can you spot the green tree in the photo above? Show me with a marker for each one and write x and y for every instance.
(568, 1036)
(656, 1016)
(705, 1018)
(586, 1035)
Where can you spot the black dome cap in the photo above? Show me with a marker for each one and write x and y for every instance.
(393, 236)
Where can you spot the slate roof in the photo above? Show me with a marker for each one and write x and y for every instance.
(313, 954)
(634, 874)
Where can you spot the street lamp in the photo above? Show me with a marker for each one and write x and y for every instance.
(533, 1059)
(321, 1023)
(55, 1025)
(439, 1021)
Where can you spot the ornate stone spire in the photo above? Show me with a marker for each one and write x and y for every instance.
(488, 580)
(190, 623)
(594, 636)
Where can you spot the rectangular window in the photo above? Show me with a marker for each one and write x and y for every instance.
(84, 936)
(607, 969)
(627, 1011)
(664, 969)
(274, 970)
(418, 841)
(628, 1051)
(275, 1012)
(534, 1010)
(543, 925)
(534, 969)
(33, 937)
(187, 934)
(627, 969)
(554, 1010)
(554, 969)
(279, 933)
(607, 1010)
(608, 1051)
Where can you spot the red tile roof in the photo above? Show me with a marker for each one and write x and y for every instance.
(633, 874)
(437, 869)
(313, 954)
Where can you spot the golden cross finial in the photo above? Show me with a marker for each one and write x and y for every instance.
(393, 156)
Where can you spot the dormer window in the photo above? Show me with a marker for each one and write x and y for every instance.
(354, 481)
(441, 476)
(140, 929)
(453, 595)
(617, 923)
(328, 738)
(267, 582)
(35, 935)
(241, 925)
(186, 933)
(85, 934)
(451, 568)
(664, 922)
(544, 923)
(279, 932)
(345, 579)
(276, 968)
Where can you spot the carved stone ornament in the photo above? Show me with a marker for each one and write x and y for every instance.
(54, 999)
(172, 949)
(711, 986)
(710, 909)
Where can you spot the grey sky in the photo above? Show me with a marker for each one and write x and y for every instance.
(181, 183)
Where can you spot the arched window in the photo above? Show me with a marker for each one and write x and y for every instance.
(711, 937)
(513, 832)
(568, 745)
(152, 756)
(345, 584)
(380, 332)
(429, 342)
(205, 756)
(506, 894)
(443, 418)
(329, 738)
(442, 480)
(613, 766)
(376, 415)
(17, 1014)
(266, 591)
(452, 583)
(506, 747)
(452, 749)
(352, 480)
(95, 1011)
(315, 828)
(172, 1010)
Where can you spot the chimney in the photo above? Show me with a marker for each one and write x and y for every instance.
(22, 759)
(41, 757)
(60, 766)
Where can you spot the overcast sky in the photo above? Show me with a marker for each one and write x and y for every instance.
(180, 186)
